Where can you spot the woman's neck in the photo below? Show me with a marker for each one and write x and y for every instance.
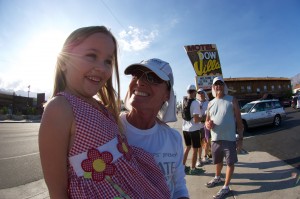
(141, 120)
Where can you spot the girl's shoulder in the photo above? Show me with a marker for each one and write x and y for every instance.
(58, 102)
(58, 106)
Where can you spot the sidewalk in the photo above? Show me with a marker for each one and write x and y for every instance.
(257, 175)
(20, 121)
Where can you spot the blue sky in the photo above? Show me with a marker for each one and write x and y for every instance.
(255, 38)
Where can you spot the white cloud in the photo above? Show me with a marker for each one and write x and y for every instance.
(174, 22)
(136, 39)
(11, 84)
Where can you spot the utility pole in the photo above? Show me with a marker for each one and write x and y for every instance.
(28, 96)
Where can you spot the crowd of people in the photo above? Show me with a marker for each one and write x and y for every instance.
(89, 149)
(211, 131)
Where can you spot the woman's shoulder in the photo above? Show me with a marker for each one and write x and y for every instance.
(170, 131)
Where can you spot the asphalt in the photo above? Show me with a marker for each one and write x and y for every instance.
(257, 175)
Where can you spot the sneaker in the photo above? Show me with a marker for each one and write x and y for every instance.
(213, 182)
(187, 169)
(196, 171)
(205, 160)
(199, 164)
(222, 193)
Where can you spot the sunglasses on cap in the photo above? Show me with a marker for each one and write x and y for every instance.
(218, 83)
(200, 92)
(150, 76)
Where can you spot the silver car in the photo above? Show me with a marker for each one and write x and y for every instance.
(262, 112)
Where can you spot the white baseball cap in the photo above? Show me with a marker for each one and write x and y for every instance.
(219, 78)
(203, 91)
(200, 90)
(191, 87)
(163, 70)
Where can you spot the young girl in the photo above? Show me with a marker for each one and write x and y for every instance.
(83, 152)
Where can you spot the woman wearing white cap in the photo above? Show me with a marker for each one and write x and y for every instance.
(151, 103)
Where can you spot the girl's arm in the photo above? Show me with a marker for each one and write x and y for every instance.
(54, 140)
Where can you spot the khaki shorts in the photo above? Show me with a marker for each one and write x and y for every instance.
(224, 149)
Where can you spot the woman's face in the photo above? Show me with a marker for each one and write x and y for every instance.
(89, 65)
(147, 96)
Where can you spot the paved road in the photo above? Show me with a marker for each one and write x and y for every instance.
(282, 142)
(19, 154)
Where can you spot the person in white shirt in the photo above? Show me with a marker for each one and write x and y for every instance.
(191, 129)
(224, 121)
(203, 99)
(298, 102)
(150, 102)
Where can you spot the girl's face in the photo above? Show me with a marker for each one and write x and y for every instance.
(90, 65)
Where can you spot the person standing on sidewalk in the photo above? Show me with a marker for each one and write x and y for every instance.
(191, 128)
(203, 100)
(298, 101)
(224, 120)
(150, 102)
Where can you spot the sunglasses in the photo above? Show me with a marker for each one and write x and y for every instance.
(190, 91)
(151, 77)
(219, 83)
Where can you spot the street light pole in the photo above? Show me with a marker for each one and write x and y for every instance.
(28, 95)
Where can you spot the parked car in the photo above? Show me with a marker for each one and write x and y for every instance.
(285, 102)
(262, 112)
(242, 102)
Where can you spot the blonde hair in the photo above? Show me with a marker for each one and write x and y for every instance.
(109, 97)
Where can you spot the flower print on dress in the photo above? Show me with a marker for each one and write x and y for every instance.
(98, 165)
(124, 147)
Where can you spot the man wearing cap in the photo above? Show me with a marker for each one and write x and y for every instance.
(151, 103)
(191, 131)
(203, 99)
(224, 120)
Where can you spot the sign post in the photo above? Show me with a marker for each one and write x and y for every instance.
(206, 63)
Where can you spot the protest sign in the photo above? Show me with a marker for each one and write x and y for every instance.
(206, 63)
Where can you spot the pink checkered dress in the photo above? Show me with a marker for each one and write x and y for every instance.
(97, 173)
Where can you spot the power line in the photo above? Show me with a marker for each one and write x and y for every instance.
(112, 14)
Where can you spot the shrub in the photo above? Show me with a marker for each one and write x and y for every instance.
(4, 110)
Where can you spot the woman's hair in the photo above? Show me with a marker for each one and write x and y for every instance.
(107, 94)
